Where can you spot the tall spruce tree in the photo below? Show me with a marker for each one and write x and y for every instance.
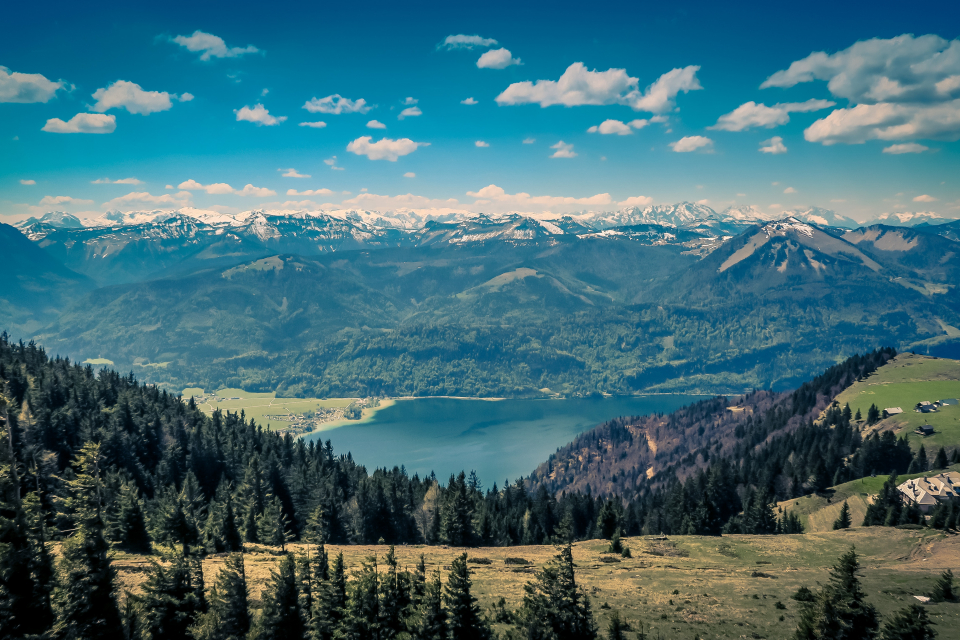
(840, 610)
(430, 622)
(171, 600)
(465, 621)
(329, 601)
(910, 623)
(227, 615)
(131, 525)
(554, 606)
(361, 619)
(394, 594)
(943, 590)
(843, 520)
(280, 618)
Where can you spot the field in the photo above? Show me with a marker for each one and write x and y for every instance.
(724, 587)
(903, 382)
(258, 406)
(818, 512)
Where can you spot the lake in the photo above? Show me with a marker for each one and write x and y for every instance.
(504, 439)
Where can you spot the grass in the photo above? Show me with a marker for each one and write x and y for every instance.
(903, 382)
(723, 587)
(258, 406)
(818, 512)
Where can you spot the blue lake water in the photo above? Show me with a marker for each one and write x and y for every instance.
(500, 440)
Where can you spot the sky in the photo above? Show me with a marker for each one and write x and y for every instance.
(505, 106)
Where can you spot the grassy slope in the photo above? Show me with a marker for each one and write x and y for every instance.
(719, 597)
(904, 382)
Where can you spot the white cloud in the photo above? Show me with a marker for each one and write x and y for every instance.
(524, 201)
(385, 148)
(169, 186)
(481, 143)
(222, 188)
(83, 123)
(130, 96)
(121, 181)
(529, 140)
(264, 92)
(292, 173)
(462, 41)
(55, 200)
(409, 112)
(139, 198)
(376, 124)
(751, 114)
(26, 87)
(641, 123)
(563, 150)
(774, 146)
(320, 124)
(330, 161)
(704, 201)
(185, 97)
(924, 198)
(497, 59)
(908, 147)
(336, 104)
(409, 174)
(469, 100)
(28, 182)
(410, 101)
(691, 143)
(789, 190)
(309, 192)
(636, 201)
(211, 46)
(609, 127)
(900, 88)
(258, 115)
(580, 86)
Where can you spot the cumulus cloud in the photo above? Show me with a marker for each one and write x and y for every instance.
(900, 88)
(410, 100)
(28, 182)
(581, 86)
(130, 96)
(385, 148)
(26, 87)
(258, 115)
(751, 114)
(469, 100)
(610, 127)
(494, 194)
(529, 140)
(789, 190)
(462, 41)
(497, 59)
(120, 181)
(376, 124)
(774, 146)
(185, 97)
(332, 163)
(314, 125)
(211, 46)
(222, 188)
(409, 174)
(409, 112)
(924, 198)
(336, 104)
(907, 147)
(481, 143)
(57, 200)
(139, 198)
(309, 192)
(691, 143)
(563, 150)
(292, 173)
(83, 123)
(636, 201)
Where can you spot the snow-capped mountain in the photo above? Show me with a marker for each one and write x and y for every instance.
(908, 219)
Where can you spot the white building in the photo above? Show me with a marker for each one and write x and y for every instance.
(926, 492)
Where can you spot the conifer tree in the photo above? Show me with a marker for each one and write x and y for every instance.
(554, 606)
(456, 513)
(923, 464)
(873, 414)
(172, 599)
(431, 619)
(943, 590)
(227, 615)
(83, 598)
(329, 601)
(272, 525)
(220, 532)
(840, 610)
(465, 621)
(418, 582)
(280, 617)
(843, 520)
(361, 619)
(940, 462)
(910, 623)
(394, 594)
(886, 508)
(131, 525)
(615, 627)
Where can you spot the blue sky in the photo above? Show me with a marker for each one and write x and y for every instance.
(673, 95)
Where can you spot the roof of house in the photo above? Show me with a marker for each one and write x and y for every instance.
(893, 410)
(949, 401)
(926, 491)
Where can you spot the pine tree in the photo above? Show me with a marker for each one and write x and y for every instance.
(943, 590)
(873, 414)
(609, 521)
(329, 602)
(394, 594)
(280, 617)
(362, 615)
(172, 599)
(456, 513)
(840, 609)
(911, 623)
(220, 532)
(885, 510)
(859, 416)
(843, 520)
(131, 525)
(227, 615)
(83, 599)
(940, 462)
(923, 464)
(554, 606)
(616, 630)
(465, 621)
(272, 525)
(431, 618)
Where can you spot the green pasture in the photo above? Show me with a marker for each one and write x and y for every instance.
(258, 406)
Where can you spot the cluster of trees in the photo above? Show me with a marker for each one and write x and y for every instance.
(890, 510)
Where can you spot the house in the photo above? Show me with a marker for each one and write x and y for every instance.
(892, 411)
(928, 491)
(924, 430)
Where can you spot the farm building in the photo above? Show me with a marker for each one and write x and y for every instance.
(927, 492)
(892, 411)
(924, 430)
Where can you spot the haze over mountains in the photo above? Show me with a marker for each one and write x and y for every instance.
(662, 298)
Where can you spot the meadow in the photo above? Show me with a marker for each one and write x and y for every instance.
(681, 587)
